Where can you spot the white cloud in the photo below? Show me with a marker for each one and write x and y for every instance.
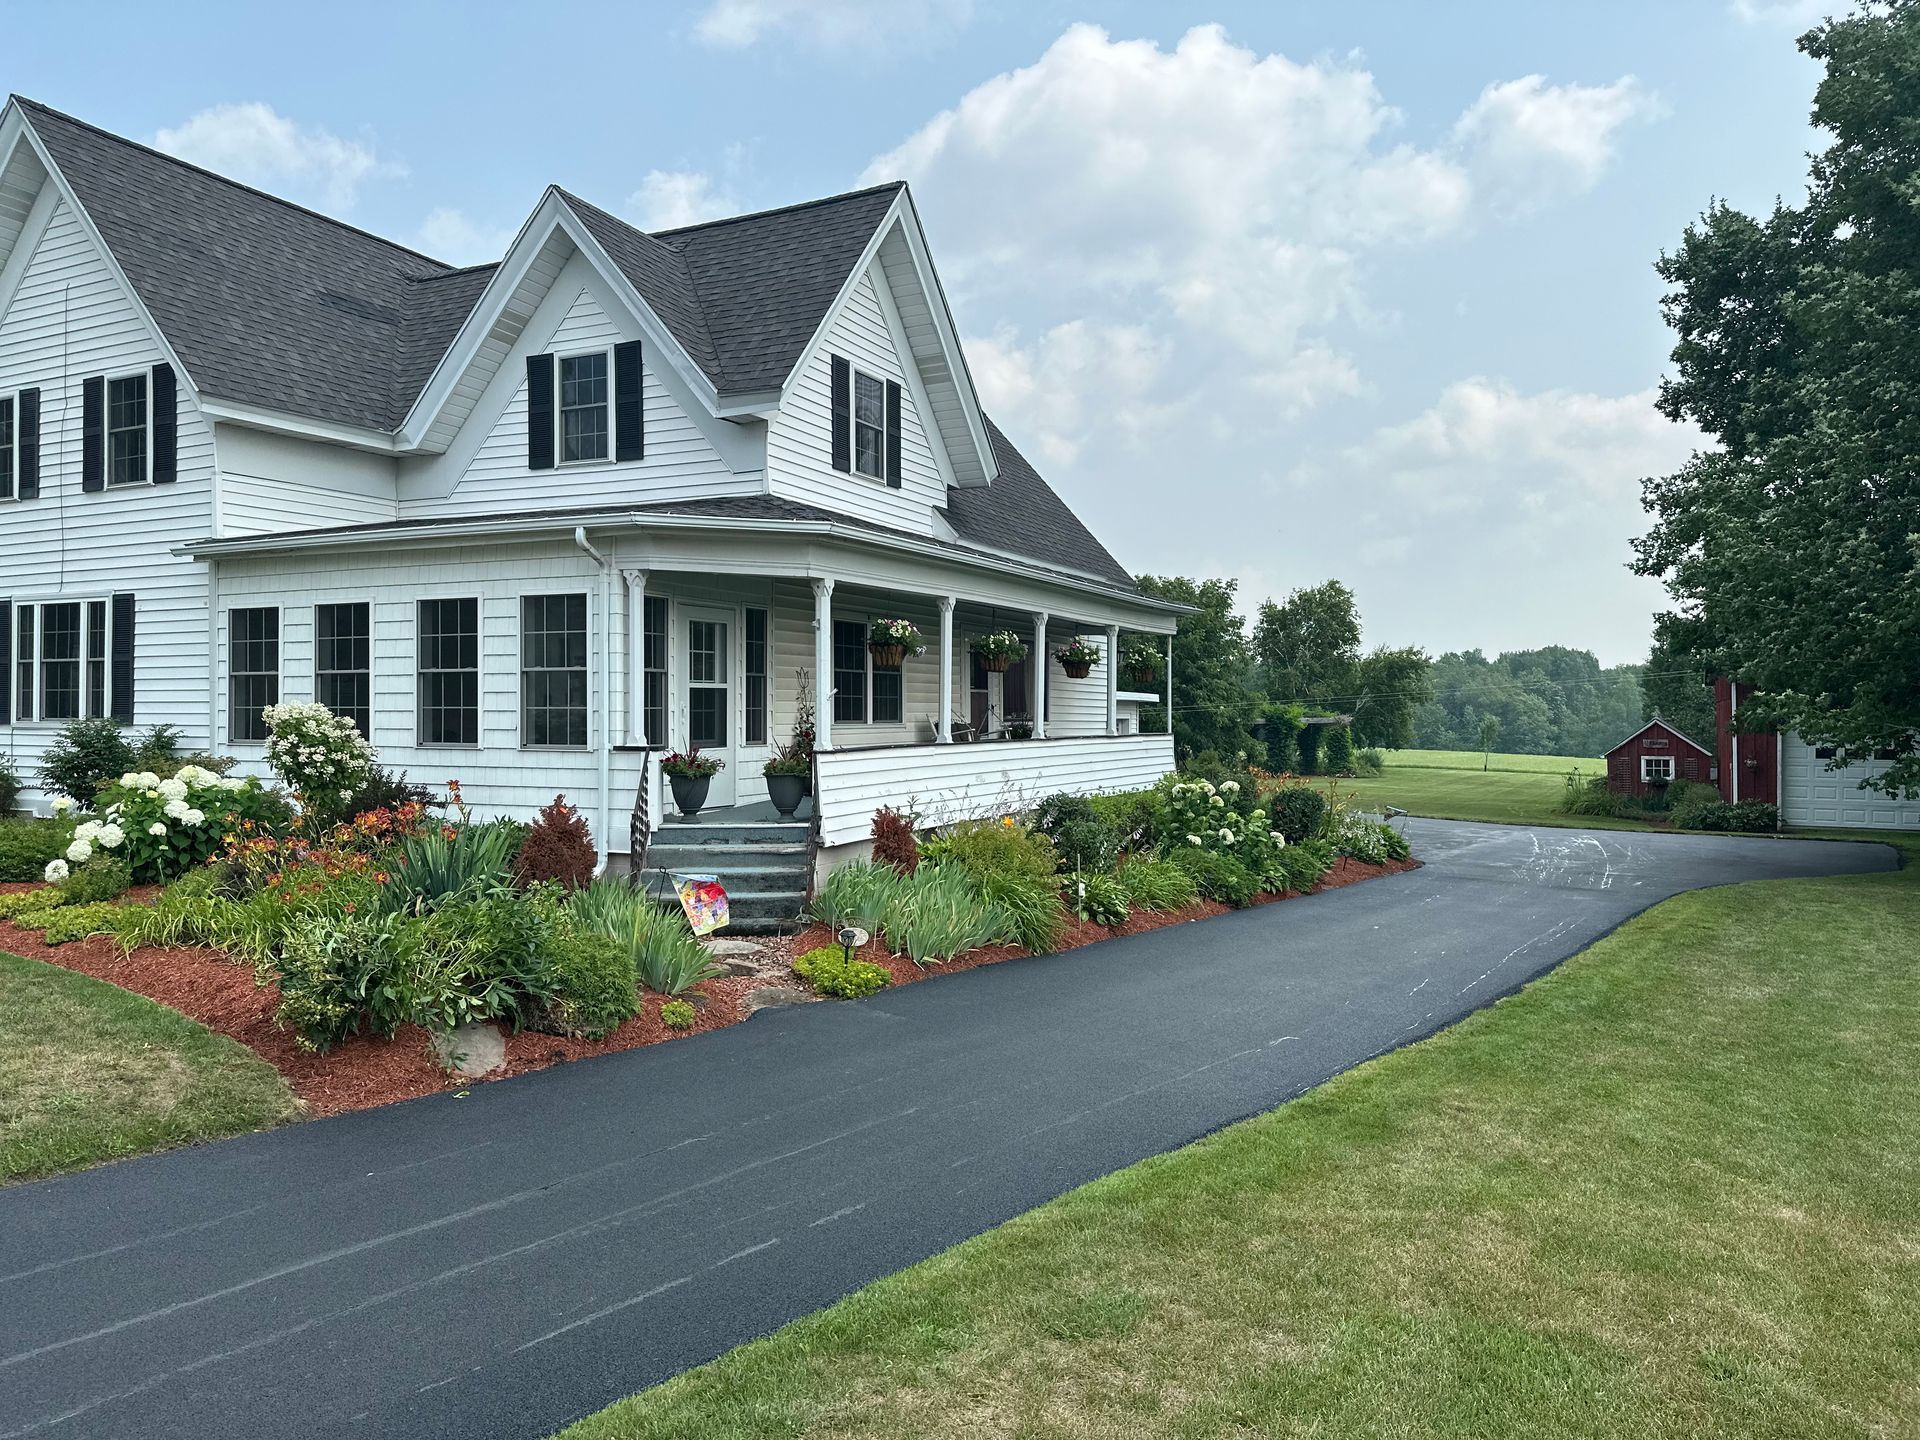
(450, 234)
(257, 145)
(1526, 140)
(668, 199)
(1073, 379)
(1793, 14)
(828, 24)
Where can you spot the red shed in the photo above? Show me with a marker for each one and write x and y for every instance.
(1655, 755)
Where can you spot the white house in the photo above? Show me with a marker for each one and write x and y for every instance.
(531, 523)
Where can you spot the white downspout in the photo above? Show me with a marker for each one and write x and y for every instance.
(606, 693)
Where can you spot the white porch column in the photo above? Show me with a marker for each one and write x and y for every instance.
(943, 729)
(1169, 684)
(823, 664)
(637, 656)
(1113, 679)
(1038, 671)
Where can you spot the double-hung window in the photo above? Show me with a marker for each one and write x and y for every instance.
(343, 661)
(449, 672)
(584, 415)
(60, 650)
(756, 658)
(128, 441)
(863, 692)
(253, 670)
(96, 657)
(553, 671)
(653, 701)
(869, 425)
(9, 447)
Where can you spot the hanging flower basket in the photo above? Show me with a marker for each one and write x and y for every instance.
(1078, 657)
(890, 642)
(887, 657)
(1141, 665)
(999, 650)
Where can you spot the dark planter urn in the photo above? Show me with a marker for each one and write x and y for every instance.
(786, 792)
(1076, 669)
(690, 792)
(888, 657)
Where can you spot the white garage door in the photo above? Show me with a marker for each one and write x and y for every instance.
(1811, 794)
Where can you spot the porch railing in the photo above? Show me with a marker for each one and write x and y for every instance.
(646, 805)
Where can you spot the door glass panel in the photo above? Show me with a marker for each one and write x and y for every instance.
(707, 704)
(707, 718)
(706, 652)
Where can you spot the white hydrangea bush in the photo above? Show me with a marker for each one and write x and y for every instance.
(318, 755)
(162, 828)
(1209, 817)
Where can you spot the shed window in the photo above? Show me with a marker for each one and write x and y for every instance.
(869, 425)
(583, 407)
(1656, 769)
(127, 448)
(343, 662)
(553, 670)
(449, 672)
(253, 670)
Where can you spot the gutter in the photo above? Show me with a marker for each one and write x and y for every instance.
(600, 519)
(606, 693)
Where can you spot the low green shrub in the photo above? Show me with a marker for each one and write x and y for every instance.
(939, 912)
(1082, 837)
(1236, 784)
(1129, 815)
(1217, 876)
(1748, 817)
(667, 958)
(335, 974)
(101, 878)
(9, 786)
(1296, 812)
(1100, 899)
(1035, 916)
(985, 847)
(858, 893)
(1156, 884)
(1369, 760)
(1589, 795)
(1353, 834)
(1398, 847)
(588, 983)
(27, 845)
(679, 1015)
(829, 971)
(1336, 751)
(1307, 863)
(84, 756)
(77, 922)
(16, 903)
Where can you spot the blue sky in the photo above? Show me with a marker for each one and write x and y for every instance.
(1271, 291)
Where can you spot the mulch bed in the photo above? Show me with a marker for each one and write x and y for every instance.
(369, 1070)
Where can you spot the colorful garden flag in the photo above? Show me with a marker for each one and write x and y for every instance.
(704, 901)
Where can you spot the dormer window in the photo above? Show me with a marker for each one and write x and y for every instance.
(127, 439)
(869, 425)
(584, 427)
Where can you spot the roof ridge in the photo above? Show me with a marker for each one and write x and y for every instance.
(27, 103)
(775, 210)
(666, 255)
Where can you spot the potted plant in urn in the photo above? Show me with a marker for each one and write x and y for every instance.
(1141, 662)
(789, 773)
(1018, 727)
(1078, 657)
(802, 742)
(999, 650)
(690, 774)
(891, 641)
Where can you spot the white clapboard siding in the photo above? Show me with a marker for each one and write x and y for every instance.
(679, 463)
(800, 438)
(272, 483)
(71, 319)
(945, 783)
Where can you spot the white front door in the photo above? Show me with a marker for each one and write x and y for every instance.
(707, 701)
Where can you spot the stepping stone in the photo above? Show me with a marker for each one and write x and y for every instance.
(471, 1050)
(776, 997)
(736, 950)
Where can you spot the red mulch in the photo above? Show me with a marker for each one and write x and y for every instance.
(370, 1070)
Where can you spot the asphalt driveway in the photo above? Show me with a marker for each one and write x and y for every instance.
(500, 1264)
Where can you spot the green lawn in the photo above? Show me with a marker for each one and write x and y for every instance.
(1557, 765)
(90, 1072)
(1667, 1191)
(1509, 796)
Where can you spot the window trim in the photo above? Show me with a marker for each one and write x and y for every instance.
(367, 606)
(585, 667)
(560, 358)
(10, 467)
(1647, 762)
(31, 693)
(107, 482)
(279, 666)
(479, 673)
(854, 423)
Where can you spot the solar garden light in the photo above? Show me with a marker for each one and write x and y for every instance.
(849, 937)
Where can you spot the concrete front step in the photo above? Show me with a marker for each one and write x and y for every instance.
(689, 832)
(757, 903)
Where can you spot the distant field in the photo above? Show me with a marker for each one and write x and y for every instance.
(1471, 759)
(1449, 785)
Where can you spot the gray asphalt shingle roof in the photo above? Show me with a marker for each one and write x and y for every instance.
(268, 303)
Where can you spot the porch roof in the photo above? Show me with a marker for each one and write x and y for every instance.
(764, 514)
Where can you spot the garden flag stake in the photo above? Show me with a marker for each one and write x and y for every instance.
(704, 900)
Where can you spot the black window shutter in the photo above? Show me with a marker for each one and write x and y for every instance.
(120, 703)
(629, 414)
(6, 662)
(166, 426)
(28, 436)
(93, 433)
(893, 434)
(842, 415)
(540, 412)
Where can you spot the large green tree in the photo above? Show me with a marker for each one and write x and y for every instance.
(1792, 551)
(1308, 646)
(1212, 706)
(1678, 689)
(1389, 686)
